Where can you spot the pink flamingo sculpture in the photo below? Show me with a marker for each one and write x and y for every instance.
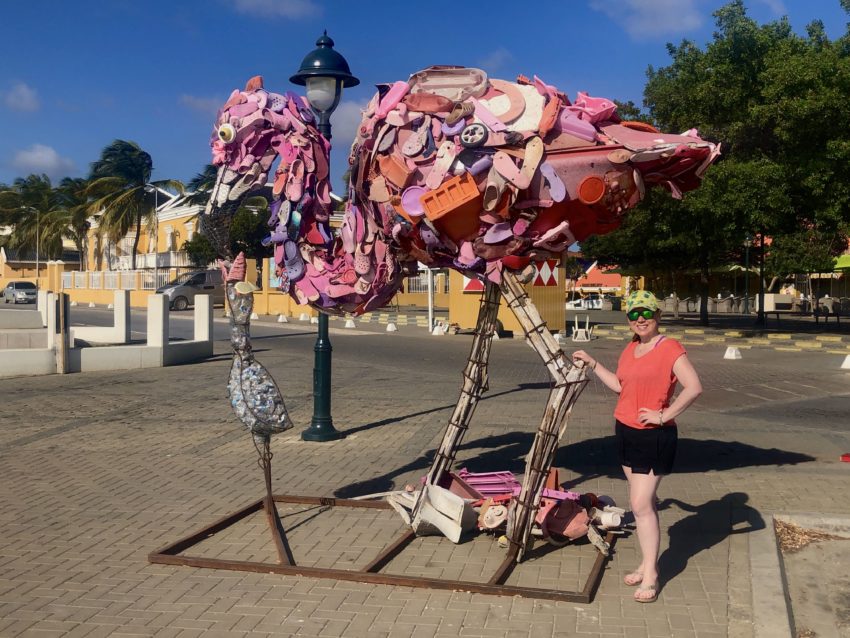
(451, 169)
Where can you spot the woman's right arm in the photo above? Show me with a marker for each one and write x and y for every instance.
(605, 375)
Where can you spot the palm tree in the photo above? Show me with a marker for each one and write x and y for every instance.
(27, 207)
(72, 219)
(121, 188)
(200, 185)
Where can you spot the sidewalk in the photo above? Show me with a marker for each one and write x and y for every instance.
(99, 469)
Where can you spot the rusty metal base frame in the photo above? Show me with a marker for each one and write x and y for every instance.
(371, 573)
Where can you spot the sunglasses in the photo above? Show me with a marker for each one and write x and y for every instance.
(634, 314)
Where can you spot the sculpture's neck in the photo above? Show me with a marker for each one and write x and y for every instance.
(240, 306)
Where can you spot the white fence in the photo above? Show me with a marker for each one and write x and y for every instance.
(419, 283)
(120, 279)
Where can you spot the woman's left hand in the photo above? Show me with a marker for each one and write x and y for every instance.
(650, 417)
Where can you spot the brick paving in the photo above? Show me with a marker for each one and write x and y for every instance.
(102, 468)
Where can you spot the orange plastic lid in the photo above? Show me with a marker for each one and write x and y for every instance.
(639, 126)
(591, 189)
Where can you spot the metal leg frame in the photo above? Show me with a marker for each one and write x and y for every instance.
(474, 385)
(175, 554)
(569, 380)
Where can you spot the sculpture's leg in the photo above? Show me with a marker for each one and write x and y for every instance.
(474, 385)
(569, 382)
(284, 553)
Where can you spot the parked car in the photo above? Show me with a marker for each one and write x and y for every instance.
(181, 292)
(20, 292)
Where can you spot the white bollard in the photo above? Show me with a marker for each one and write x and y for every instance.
(314, 320)
(349, 323)
(438, 330)
(391, 327)
(846, 364)
(282, 319)
(304, 317)
(92, 304)
(110, 306)
(254, 315)
(496, 336)
(732, 353)
(73, 304)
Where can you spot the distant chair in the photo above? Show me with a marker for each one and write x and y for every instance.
(582, 334)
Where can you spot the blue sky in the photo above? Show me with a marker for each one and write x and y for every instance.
(77, 74)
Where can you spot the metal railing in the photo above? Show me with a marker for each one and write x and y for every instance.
(121, 279)
(419, 283)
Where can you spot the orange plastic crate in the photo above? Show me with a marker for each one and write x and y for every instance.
(454, 207)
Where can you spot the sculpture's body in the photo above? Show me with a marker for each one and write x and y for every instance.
(452, 170)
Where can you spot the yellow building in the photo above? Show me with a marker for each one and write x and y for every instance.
(158, 248)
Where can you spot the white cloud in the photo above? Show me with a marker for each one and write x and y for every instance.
(204, 105)
(777, 7)
(647, 19)
(292, 9)
(21, 97)
(39, 158)
(345, 120)
(495, 59)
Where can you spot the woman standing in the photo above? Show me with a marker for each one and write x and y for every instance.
(646, 434)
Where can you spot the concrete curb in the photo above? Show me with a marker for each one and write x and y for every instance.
(771, 608)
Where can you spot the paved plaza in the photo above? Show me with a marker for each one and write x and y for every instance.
(99, 469)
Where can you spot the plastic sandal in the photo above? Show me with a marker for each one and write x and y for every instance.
(634, 579)
(646, 599)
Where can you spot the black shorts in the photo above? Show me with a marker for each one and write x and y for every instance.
(644, 450)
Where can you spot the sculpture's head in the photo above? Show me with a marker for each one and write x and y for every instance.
(240, 293)
(253, 129)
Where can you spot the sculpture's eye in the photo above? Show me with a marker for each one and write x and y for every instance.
(226, 133)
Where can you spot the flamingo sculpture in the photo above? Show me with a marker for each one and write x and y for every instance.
(450, 169)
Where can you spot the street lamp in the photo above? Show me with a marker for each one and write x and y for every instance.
(747, 241)
(149, 188)
(325, 73)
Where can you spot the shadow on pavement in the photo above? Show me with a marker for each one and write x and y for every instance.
(708, 525)
(596, 458)
(591, 459)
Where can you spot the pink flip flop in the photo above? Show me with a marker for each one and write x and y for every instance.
(295, 184)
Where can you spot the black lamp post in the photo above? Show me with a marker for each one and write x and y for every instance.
(747, 241)
(324, 72)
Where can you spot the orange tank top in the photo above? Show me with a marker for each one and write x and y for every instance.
(647, 381)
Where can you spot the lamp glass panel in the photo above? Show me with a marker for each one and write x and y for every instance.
(321, 92)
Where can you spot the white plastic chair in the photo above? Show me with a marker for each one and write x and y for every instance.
(582, 334)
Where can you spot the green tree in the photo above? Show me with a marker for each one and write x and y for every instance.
(199, 250)
(200, 186)
(27, 207)
(123, 195)
(776, 101)
(71, 220)
(248, 230)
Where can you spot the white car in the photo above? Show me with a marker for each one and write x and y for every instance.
(20, 292)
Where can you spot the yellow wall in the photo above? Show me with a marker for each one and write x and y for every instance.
(179, 234)
(463, 306)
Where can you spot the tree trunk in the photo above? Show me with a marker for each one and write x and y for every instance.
(136, 241)
(675, 294)
(703, 298)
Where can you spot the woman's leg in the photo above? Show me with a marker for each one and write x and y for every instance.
(642, 490)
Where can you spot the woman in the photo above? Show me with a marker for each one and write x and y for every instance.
(646, 433)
